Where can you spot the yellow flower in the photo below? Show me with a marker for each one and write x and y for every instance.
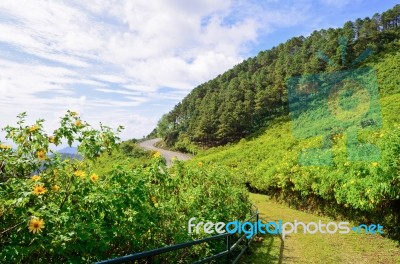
(55, 188)
(36, 225)
(154, 200)
(55, 172)
(35, 177)
(52, 139)
(200, 164)
(21, 139)
(157, 154)
(74, 113)
(41, 155)
(94, 177)
(39, 189)
(78, 123)
(80, 173)
(33, 128)
(374, 164)
(4, 146)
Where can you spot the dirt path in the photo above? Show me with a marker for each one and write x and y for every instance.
(318, 248)
(167, 154)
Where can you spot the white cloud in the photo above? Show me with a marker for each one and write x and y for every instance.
(110, 78)
(117, 91)
(108, 59)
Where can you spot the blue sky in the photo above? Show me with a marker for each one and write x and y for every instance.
(128, 62)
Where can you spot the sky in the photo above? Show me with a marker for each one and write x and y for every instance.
(129, 62)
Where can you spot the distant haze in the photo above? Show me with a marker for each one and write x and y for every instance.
(69, 150)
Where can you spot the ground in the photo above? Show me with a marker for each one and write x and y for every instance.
(317, 248)
(167, 154)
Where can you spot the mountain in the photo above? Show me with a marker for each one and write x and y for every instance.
(253, 93)
(69, 150)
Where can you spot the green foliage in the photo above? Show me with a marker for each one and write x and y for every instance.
(76, 211)
(184, 144)
(128, 156)
(241, 100)
(316, 248)
(32, 150)
(269, 163)
(252, 97)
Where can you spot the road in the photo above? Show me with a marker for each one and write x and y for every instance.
(167, 154)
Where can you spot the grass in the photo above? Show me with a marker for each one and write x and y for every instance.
(317, 248)
(127, 156)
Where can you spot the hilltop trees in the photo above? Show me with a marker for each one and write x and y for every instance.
(242, 99)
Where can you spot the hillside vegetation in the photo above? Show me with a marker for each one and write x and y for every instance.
(240, 101)
(365, 190)
(316, 248)
(111, 203)
(352, 165)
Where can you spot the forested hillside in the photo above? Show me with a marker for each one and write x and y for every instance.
(245, 98)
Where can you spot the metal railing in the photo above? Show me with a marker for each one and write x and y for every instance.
(228, 252)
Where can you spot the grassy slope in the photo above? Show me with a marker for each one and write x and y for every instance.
(255, 159)
(317, 248)
(264, 159)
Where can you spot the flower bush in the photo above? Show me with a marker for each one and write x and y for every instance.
(63, 210)
(365, 191)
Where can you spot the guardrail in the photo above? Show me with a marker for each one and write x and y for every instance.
(228, 253)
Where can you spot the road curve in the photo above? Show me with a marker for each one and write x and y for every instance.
(167, 154)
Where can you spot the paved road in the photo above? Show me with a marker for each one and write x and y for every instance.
(168, 155)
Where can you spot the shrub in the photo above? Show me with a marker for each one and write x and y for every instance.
(67, 212)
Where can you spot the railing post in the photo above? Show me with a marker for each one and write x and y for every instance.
(257, 222)
(151, 256)
(228, 247)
